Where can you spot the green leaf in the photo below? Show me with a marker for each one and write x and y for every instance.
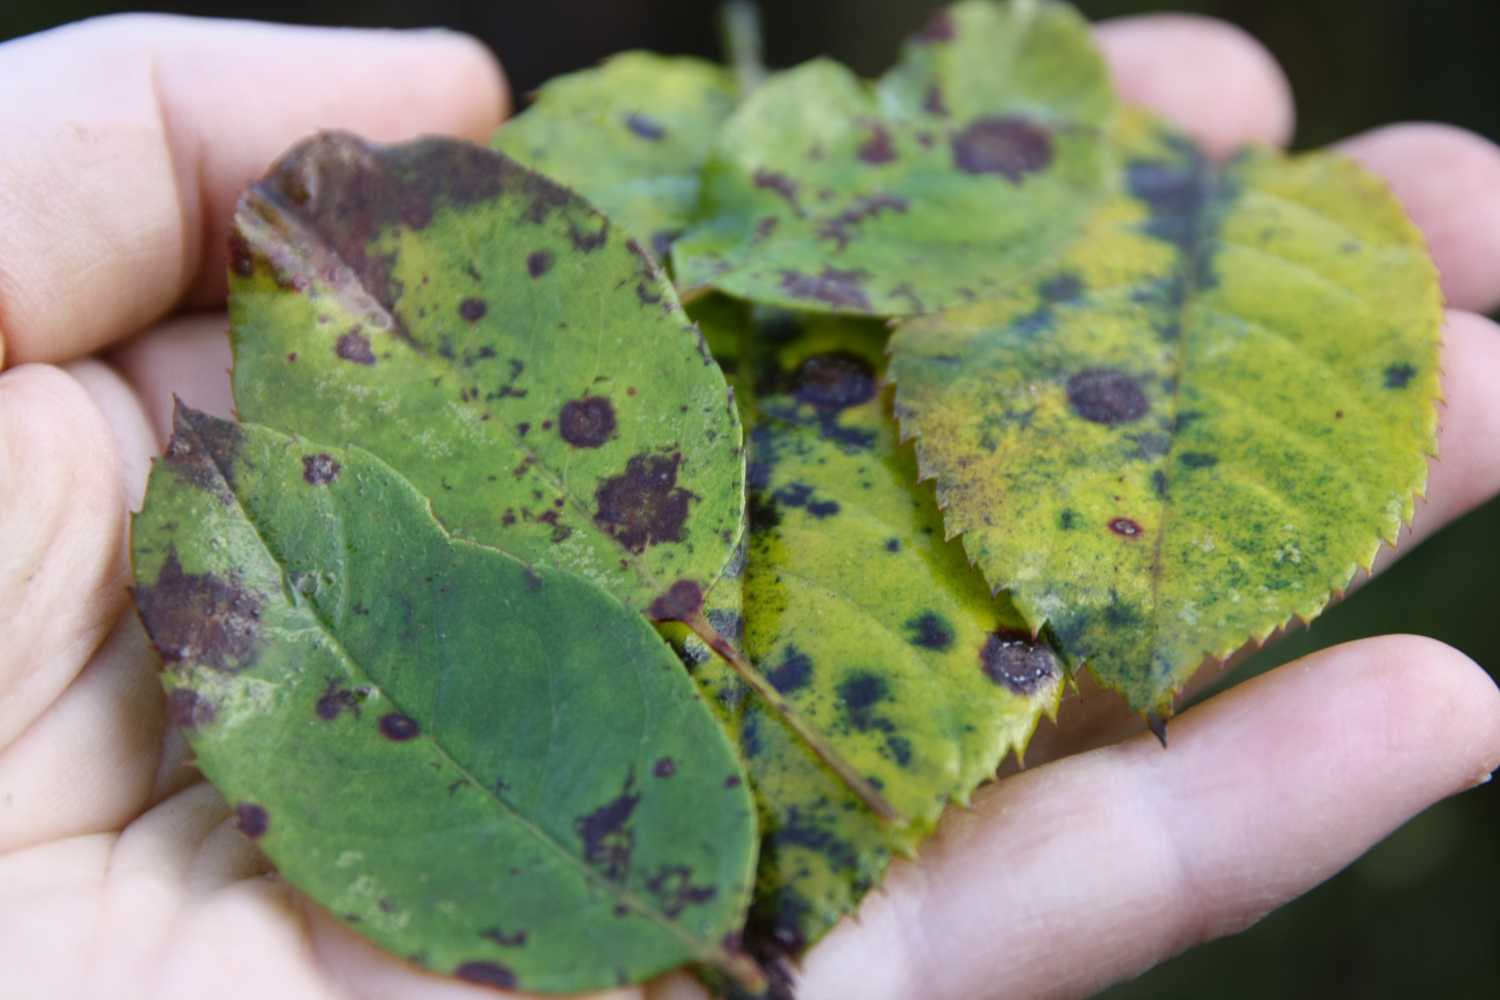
(475, 763)
(982, 151)
(861, 615)
(1196, 421)
(631, 135)
(487, 333)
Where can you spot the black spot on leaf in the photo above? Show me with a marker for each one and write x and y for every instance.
(840, 289)
(335, 700)
(473, 309)
(934, 104)
(646, 128)
(204, 451)
(587, 422)
(355, 346)
(1125, 527)
(1397, 376)
(643, 505)
(514, 939)
(187, 709)
(793, 673)
(860, 692)
(1010, 147)
(251, 820)
(664, 768)
(320, 469)
(539, 263)
(682, 602)
(834, 381)
(200, 618)
(780, 184)
(1061, 288)
(1015, 660)
(399, 728)
(877, 149)
(1180, 193)
(607, 837)
(1107, 396)
(672, 888)
(486, 974)
(930, 630)
(241, 259)
(864, 207)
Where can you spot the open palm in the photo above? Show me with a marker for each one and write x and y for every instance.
(121, 873)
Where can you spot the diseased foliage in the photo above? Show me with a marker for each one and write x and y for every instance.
(1195, 421)
(473, 762)
(494, 338)
(631, 134)
(854, 606)
(981, 151)
(1168, 404)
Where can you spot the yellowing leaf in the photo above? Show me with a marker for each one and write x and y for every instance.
(631, 134)
(494, 338)
(475, 763)
(981, 152)
(1194, 422)
(862, 616)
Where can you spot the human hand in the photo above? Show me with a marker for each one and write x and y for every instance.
(121, 873)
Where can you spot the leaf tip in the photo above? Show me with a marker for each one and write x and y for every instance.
(1158, 725)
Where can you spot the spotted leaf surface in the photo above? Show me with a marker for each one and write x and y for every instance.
(1196, 421)
(630, 135)
(475, 763)
(861, 615)
(982, 151)
(488, 333)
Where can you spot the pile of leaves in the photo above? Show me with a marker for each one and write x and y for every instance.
(526, 431)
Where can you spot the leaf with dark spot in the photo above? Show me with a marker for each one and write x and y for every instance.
(424, 256)
(947, 176)
(631, 135)
(1209, 449)
(864, 620)
(366, 690)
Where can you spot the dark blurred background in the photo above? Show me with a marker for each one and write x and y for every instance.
(1421, 912)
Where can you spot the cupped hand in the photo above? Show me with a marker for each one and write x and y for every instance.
(121, 873)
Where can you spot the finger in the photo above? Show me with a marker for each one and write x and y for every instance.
(117, 189)
(62, 518)
(1207, 76)
(1449, 181)
(1466, 472)
(89, 764)
(1093, 869)
(187, 357)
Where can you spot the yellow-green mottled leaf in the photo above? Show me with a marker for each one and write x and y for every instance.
(490, 335)
(982, 151)
(475, 763)
(1198, 419)
(631, 135)
(861, 615)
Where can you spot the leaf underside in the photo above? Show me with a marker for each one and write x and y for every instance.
(982, 150)
(1195, 421)
(863, 617)
(474, 763)
(632, 134)
(488, 334)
